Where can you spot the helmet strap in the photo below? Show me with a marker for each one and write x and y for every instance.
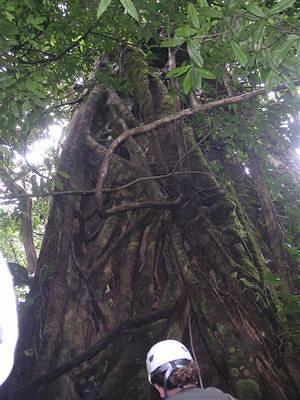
(166, 377)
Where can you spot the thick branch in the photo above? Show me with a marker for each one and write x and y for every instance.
(164, 121)
(143, 204)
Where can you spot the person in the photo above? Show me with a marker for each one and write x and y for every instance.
(174, 374)
(8, 321)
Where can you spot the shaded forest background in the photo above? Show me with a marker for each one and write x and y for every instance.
(170, 207)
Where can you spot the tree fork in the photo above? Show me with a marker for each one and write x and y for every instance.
(152, 126)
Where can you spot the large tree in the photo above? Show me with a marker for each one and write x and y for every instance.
(173, 205)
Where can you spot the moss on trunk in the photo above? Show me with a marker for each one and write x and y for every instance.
(95, 272)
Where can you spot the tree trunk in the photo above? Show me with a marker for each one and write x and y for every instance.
(167, 255)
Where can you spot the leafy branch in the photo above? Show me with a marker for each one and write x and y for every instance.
(60, 54)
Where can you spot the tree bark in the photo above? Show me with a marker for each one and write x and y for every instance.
(272, 225)
(194, 263)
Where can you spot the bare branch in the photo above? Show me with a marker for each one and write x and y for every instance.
(105, 190)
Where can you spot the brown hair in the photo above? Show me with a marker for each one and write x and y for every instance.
(180, 377)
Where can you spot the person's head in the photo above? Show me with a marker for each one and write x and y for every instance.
(170, 367)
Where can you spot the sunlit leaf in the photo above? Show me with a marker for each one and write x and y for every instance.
(130, 8)
(102, 7)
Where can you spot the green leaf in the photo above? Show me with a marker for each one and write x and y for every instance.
(281, 6)
(196, 78)
(271, 81)
(36, 22)
(7, 80)
(64, 174)
(130, 8)
(280, 53)
(290, 84)
(173, 42)
(102, 7)
(239, 53)
(186, 31)
(291, 304)
(210, 12)
(205, 73)
(174, 73)
(295, 252)
(255, 10)
(247, 283)
(192, 12)
(203, 3)
(232, 4)
(58, 184)
(271, 279)
(193, 49)
(8, 28)
(258, 35)
(31, 84)
(187, 82)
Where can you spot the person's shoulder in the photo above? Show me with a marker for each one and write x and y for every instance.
(211, 393)
(215, 391)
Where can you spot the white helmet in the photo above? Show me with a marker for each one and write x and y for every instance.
(163, 353)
